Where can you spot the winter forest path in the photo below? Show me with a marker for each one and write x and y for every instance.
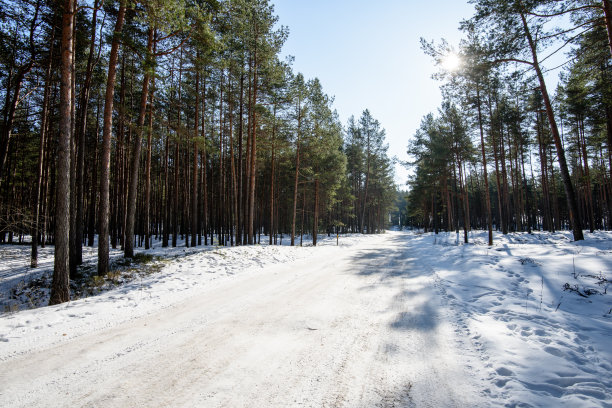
(361, 326)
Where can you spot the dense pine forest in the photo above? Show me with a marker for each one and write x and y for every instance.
(129, 121)
(505, 152)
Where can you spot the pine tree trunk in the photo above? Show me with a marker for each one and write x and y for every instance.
(253, 161)
(565, 176)
(175, 196)
(41, 155)
(135, 164)
(166, 196)
(484, 167)
(297, 172)
(60, 286)
(91, 223)
(234, 183)
(315, 223)
(548, 224)
(106, 145)
(240, 199)
(587, 177)
(204, 167)
(367, 180)
(220, 186)
(194, 194)
(147, 203)
(80, 140)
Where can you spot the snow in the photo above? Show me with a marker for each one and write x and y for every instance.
(539, 345)
(399, 319)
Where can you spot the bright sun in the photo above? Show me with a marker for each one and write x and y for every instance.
(451, 62)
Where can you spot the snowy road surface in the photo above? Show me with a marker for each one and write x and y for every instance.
(358, 326)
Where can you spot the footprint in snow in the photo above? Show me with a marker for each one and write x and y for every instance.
(554, 351)
(581, 337)
(505, 373)
(540, 332)
(500, 383)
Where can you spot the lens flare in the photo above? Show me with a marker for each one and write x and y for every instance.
(451, 62)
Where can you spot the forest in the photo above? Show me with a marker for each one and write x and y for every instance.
(504, 152)
(187, 220)
(129, 121)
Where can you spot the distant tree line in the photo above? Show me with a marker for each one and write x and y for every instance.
(138, 120)
(503, 152)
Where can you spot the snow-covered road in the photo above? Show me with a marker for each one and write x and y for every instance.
(357, 326)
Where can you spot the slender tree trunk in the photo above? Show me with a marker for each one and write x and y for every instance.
(367, 180)
(91, 224)
(147, 203)
(499, 185)
(449, 203)
(234, 184)
(221, 190)
(253, 161)
(175, 215)
(135, 164)
(204, 167)
(73, 169)
(80, 140)
(240, 199)
(49, 179)
(194, 194)
(315, 223)
(107, 132)
(484, 167)
(587, 177)
(41, 154)
(147, 214)
(565, 176)
(166, 197)
(60, 286)
(272, 195)
(297, 171)
(506, 193)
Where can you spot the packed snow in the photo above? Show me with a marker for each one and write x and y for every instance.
(399, 319)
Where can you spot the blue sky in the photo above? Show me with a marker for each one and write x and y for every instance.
(367, 55)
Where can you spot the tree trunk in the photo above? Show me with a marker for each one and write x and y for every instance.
(80, 140)
(41, 154)
(253, 161)
(565, 176)
(135, 165)
(94, 187)
(147, 203)
(175, 196)
(484, 167)
(107, 132)
(204, 167)
(60, 286)
(234, 185)
(240, 211)
(367, 180)
(587, 177)
(194, 194)
(315, 223)
(297, 173)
